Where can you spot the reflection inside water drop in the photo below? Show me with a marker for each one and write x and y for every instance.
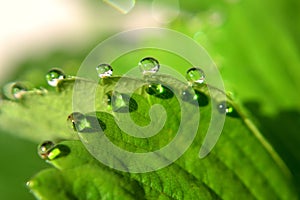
(159, 91)
(54, 76)
(149, 66)
(226, 108)
(43, 149)
(195, 75)
(195, 97)
(14, 90)
(49, 151)
(104, 70)
(18, 91)
(58, 151)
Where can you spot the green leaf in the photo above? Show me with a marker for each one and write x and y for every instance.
(241, 166)
(79, 177)
(85, 178)
(258, 50)
(46, 114)
(255, 46)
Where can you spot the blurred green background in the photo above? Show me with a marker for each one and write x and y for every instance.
(255, 45)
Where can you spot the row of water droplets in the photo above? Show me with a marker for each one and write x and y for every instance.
(17, 90)
(149, 66)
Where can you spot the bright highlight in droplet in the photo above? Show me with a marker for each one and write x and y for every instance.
(104, 70)
(124, 6)
(54, 76)
(195, 75)
(149, 66)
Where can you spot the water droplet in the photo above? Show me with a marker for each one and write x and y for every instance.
(121, 102)
(78, 120)
(195, 97)
(227, 108)
(29, 184)
(49, 151)
(104, 70)
(54, 76)
(195, 75)
(85, 124)
(149, 66)
(159, 91)
(14, 90)
(43, 149)
(18, 90)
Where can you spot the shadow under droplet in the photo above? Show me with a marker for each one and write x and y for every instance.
(202, 99)
(226, 107)
(159, 91)
(196, 98)
(65, 150)
(62, 149)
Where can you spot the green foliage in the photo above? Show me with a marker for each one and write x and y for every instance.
(242, 165)
(257, 49)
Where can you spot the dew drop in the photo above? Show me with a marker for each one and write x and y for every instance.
(227, 108)
(121, 103)
(104, 70)
(85, 124)
(44, 148)
(149, 66)
(195, 75)
(29, 184)
(54, 76)
(49, 151)
(78, 121)
(14, 90)
(18, 90)
(195, 97)
(159, 91)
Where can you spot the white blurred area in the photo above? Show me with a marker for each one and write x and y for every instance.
(34, 27)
